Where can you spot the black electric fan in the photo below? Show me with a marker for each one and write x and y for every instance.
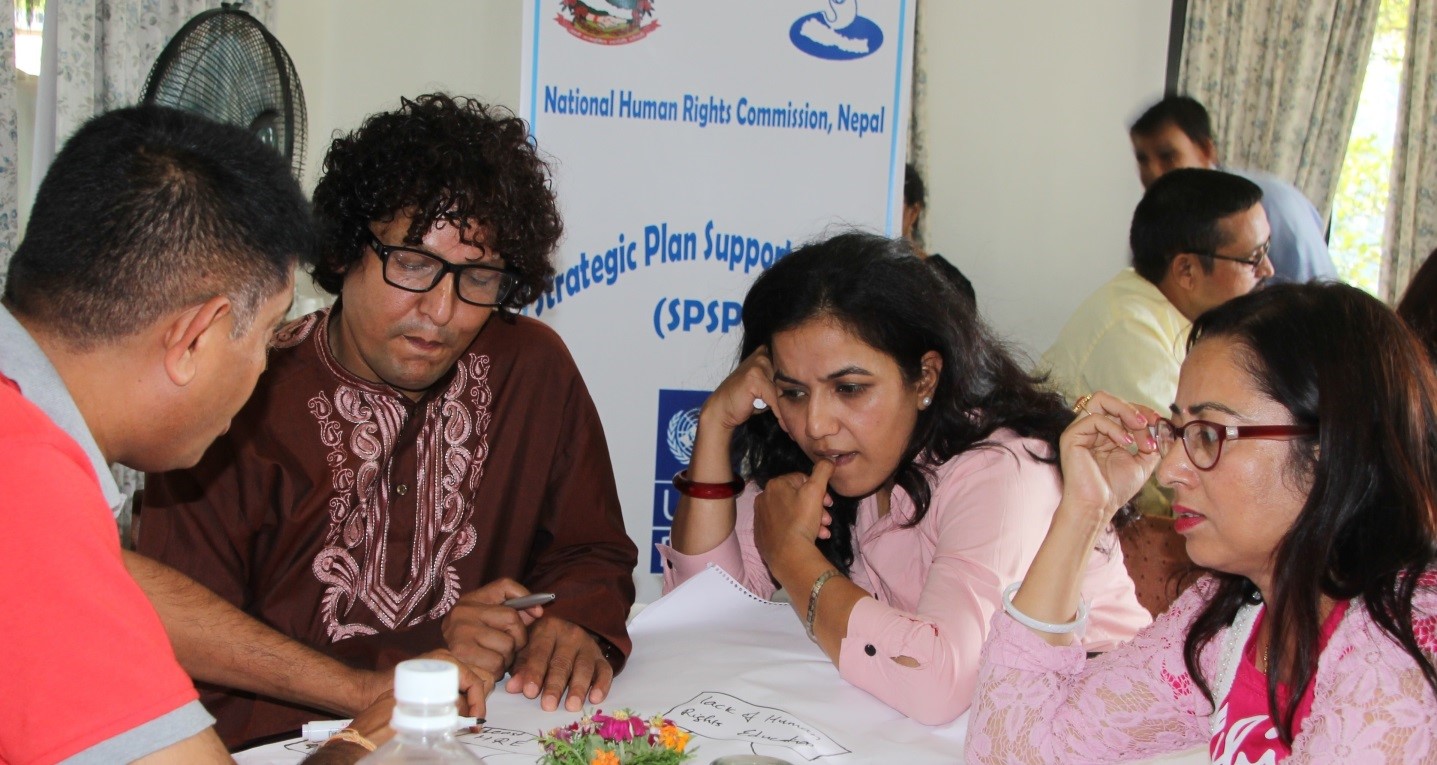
(225, 65)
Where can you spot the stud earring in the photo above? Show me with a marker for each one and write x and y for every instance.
(927, 402)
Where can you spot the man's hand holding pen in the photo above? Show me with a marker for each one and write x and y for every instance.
(486, 634)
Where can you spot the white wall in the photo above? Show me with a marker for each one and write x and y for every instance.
(1031, 181)
(357, 57)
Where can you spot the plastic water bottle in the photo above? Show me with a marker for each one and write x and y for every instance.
(425, 717)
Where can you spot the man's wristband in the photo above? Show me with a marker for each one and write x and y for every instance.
(697, 490)
(352, 736)
(611, 652)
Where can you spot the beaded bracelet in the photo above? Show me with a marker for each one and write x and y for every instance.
(813, 599)
(1048, 627)
(352, 736)
(697, 490)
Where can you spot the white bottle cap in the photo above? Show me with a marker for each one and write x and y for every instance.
(426, 683)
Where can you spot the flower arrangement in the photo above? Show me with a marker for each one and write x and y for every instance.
(622, 738)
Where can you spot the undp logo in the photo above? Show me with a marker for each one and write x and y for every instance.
(837, 33)
(677, 426)
(683, 427)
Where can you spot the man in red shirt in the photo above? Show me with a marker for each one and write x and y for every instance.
(136, 317)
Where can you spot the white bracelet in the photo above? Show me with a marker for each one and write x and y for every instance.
(1048, 627)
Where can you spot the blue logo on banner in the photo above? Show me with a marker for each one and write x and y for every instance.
(678, 422)
(838, 33)
(676, 427)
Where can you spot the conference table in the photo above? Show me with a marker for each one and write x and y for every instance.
(738, 672)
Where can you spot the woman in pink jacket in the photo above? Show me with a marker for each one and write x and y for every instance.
(1302, 451)
(933, 473)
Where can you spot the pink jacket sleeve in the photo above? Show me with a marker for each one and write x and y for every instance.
(989, 513)
(1039, 704)
(737, 555)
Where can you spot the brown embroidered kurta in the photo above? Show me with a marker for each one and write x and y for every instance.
(351, 518)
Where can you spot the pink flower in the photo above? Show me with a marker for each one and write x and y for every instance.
(623, 725)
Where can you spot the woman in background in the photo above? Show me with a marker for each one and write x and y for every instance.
(933, 473)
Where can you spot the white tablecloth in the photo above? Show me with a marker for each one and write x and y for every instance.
(739, 673)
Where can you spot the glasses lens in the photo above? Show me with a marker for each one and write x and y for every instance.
(1202, 442)
(411, 270)
(1165, 436)
(485, 286)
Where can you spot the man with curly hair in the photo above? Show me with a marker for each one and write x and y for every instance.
(418, 453)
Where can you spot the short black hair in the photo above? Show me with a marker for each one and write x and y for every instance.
(147, 210)
(436, 158)
(914, 193)
(1180, 213)
(1186, 112)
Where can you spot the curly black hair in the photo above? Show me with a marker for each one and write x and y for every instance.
(439, 157)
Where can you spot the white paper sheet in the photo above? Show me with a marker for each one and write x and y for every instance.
(739, 673)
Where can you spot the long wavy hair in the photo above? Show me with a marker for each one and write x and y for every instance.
(886, 297)
(1336, 358)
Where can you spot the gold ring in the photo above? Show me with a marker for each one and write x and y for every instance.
(1081, 407)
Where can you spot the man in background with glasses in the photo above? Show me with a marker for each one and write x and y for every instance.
(1199, 238)
(418, 453)
(1176, 132)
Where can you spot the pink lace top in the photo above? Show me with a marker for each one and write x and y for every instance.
(1039, 704)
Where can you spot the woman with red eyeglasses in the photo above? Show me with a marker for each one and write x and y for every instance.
(1302, 453)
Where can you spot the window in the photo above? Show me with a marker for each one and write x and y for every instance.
(1359, 210)
(29, 27)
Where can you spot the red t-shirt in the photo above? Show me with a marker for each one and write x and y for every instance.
(83, 656)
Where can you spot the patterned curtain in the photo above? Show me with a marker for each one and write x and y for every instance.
(918, 106)
(1281, 79)
(104, 51)
(9, 150)
(1412, 207)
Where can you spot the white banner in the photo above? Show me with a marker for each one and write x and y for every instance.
(693, 145)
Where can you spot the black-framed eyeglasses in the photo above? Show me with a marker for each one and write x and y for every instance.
(415, 270)
(1202, 440)
(1254, 259)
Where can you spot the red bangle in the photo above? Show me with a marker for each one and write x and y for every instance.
(690, 488)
